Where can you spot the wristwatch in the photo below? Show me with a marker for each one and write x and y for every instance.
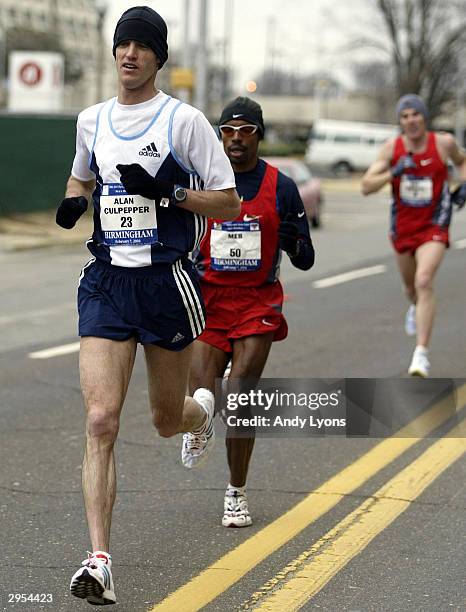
(179, 194)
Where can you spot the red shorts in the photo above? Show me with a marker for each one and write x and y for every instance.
(411, 242)
(238, 312)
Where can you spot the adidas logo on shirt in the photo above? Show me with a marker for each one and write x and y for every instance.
(150, 151)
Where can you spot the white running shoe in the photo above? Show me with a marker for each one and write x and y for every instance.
(198, 444)
(420, 364)
(94, 580)
(410, 321)
(236, 511)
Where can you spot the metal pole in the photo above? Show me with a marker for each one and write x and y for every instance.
(184, 93)
(227, 45)
(270, 50)
(202, 66)
(186, 58)
(101, 8)
(100, 54)
(459, 117)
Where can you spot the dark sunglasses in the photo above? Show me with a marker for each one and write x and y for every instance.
(244, 130)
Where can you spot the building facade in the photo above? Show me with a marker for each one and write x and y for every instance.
(76, 24)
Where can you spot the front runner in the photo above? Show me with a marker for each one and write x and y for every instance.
(239, 264)
(415, 164)
(154, 168)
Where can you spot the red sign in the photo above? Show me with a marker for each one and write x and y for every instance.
(30, 73)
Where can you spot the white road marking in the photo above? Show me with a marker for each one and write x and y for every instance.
(460, 244)
(55, 351)
(348, 276)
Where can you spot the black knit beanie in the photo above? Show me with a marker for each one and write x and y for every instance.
(144, 25)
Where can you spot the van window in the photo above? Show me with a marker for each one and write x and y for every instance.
(318, 136)
(381, 141)
(348, 138)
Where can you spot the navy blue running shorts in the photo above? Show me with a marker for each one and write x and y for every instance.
(159, 304)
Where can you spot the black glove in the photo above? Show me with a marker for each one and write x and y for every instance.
(70, 210)
(288, 236)
(458, 197)
(404, 163)
(138, 181)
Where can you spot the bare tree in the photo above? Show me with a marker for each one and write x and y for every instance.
(281, 83)
(424, 41)
(375, 79)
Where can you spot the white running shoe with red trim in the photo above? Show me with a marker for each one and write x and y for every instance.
(94, 581)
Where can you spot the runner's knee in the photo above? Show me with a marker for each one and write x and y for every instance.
(167, 424)
(102, 424)
(423, 281)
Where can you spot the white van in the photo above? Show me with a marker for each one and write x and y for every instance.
(344, 146)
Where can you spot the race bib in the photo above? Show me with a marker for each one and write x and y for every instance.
(416, 190)
(235, 246)
(126, 219)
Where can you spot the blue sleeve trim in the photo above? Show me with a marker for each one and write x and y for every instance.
(144, 131)
(170, 142)
(89, 161)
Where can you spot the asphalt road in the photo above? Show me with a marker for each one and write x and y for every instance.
(386, 534)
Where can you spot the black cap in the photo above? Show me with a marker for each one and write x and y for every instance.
(144, 25)
(244, 108)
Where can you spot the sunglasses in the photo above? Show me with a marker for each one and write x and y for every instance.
(244, 130)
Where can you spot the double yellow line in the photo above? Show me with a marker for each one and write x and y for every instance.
(314, 568)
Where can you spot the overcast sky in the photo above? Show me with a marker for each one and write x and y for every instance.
(308, 34)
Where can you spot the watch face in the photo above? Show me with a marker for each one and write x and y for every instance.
(180, 194)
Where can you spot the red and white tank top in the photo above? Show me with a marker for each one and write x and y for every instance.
(242, 252)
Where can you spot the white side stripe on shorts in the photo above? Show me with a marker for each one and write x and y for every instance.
(190, 299)
(194, 295)
(81, 276)
(185, 302)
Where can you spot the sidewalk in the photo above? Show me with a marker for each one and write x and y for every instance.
(35, 230)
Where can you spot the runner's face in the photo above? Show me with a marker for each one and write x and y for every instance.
(412, 123)
(241, 149)
(136, 65)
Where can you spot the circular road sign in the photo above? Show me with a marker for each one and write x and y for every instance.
(30, 73)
